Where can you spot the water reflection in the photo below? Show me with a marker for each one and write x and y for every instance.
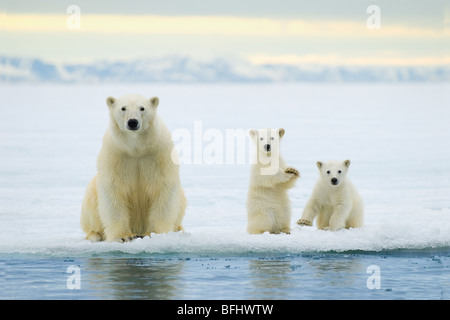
(341, 272)
(307, 277)
(133, 278)
(270, 279)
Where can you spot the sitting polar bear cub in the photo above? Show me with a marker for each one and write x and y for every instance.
(334, 200)
(268, 205)
(137, 190)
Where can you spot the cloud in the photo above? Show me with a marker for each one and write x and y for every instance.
(338, 60)
(205, 25)
(261, 39)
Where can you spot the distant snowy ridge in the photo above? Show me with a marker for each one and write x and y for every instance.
(183, 69)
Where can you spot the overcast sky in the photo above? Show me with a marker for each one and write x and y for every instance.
(284, 31)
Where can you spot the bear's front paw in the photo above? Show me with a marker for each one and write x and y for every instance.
(304, 222)
(127, 238)
(293, 172)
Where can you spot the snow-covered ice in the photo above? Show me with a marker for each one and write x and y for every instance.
(397, 136)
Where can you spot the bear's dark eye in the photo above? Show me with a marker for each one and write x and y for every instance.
(339, 171)
(142, 108)
(261, 139)
(272, 138)
(328, 172)
(124, 108)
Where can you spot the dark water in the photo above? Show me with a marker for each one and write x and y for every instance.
(418, 274)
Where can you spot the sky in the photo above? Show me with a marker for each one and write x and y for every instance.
(332, 32)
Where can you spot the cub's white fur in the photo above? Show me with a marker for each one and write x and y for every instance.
(268, 204)
(334, 200)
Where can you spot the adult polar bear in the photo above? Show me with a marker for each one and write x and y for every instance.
(137, 189)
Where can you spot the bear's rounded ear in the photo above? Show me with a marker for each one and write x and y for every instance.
(253, 133)
(110, 101)
(347, 163)
(154, 102)
(281, 132)
(319, 164)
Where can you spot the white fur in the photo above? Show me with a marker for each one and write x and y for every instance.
(268, 204)
(137, 190)
(336, 205)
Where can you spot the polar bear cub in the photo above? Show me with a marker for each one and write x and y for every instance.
(334, 200)
(268, 204)
(137, 189)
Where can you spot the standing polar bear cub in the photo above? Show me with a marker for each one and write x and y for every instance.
(334, 200)
(268, 205)
(137, 189)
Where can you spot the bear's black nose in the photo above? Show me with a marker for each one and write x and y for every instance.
(133, 124)
(334, 181)
(267, 147)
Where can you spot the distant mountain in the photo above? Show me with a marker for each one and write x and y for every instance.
(182, 69)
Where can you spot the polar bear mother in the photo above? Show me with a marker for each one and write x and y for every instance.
(137, 189)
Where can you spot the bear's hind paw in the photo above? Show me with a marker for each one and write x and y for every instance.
(128, 238)
(94, 236)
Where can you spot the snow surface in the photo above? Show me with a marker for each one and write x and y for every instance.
(397, 137)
